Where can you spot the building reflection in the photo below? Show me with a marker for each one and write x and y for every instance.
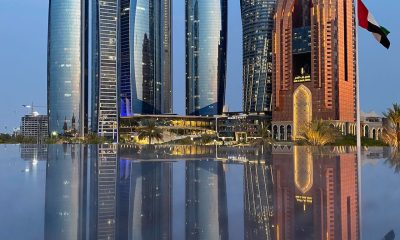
(206, 200)
(258, 201)
(106, 192)
(65, 196)
(33, 152)
(315, 194)
(151, 201)
(104, 196)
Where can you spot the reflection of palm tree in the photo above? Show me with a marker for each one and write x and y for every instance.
(391, 135)
(394, 159)
(150, 131)
(390, 236)
(319, 133)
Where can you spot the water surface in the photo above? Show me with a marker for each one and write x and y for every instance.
(196, 192)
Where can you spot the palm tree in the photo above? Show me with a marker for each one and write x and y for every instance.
(265, 136)
(391, 135)
(150, 131)
(319, 133)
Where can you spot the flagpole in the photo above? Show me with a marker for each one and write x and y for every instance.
(358, 85)
(358, 120)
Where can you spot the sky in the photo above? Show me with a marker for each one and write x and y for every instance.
(23, 61)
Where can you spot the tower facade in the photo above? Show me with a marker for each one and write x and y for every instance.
(314, 65)
(105, 63)
(146, 57)
(206, 45)
(67, 66)
(258, 24)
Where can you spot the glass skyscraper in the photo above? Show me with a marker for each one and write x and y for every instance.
(146, 57)
(258, 24)
(66, 66)
(206, 45)
(105, 64)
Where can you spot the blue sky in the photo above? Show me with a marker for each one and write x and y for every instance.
(23, 41)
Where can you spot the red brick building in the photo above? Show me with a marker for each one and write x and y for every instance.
(314, 65)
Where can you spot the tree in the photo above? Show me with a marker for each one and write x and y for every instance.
(150, 131)
(265, 136)
(319, 133)
(92, 138)
(391, 134)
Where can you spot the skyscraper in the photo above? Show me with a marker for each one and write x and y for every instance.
(258, 24)
(314, 65)
(125, 93)
(105, 63)
(67, 89)
(206, 45)
(146, 57)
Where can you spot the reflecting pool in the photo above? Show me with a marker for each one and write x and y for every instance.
(198, 192)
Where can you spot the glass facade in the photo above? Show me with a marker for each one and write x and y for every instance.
(206, 43)
(94, 67)
(105, 80)
(258, 24)
(125, 65)
(66, 66)
(146, 55)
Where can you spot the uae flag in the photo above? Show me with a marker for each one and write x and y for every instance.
(367, 21)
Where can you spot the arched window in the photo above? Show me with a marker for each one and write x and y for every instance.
(289, 132)
(302, 109)
(366, 131)
(275, 132)
(282, 133)
(374, 134)
(379, 134)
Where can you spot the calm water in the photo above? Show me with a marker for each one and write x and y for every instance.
(102, 192)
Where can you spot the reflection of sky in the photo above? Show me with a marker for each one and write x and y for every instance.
(21, 196)
(235, 200)
(178, 200)
(380, 200)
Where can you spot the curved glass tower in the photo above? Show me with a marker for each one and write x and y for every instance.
(66, 67)
(151, 45)
(206, 45)
(258, 24)
(146, 59)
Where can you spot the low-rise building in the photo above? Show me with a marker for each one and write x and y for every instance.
(237, 126)
(372, 125)
(35, 126)
(231, 126)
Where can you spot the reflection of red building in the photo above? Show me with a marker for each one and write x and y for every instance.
(314, 64)
(315, 197)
